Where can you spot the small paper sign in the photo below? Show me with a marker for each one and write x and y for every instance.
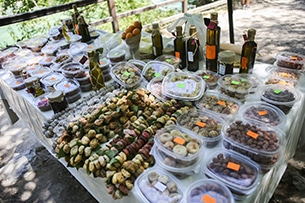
(233, 166)
(208, 199)
(179, 140)
(277, 91)
(126, 73)
(234, 82)
(221, 103)
(206, 77)
(252, 134)
(161, 187)
(262, 113)
(181, 85)
(200, 124)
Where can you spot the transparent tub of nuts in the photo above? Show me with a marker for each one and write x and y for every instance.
(156, 68)
(290, 60)
(155, 87)
(209, 77)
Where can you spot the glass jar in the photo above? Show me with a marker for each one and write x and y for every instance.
(57, 101)
(226, 62)
(33, 86)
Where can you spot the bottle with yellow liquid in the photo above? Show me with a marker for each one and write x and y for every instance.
(96, 73)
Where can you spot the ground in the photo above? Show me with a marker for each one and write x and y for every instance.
(28, 173)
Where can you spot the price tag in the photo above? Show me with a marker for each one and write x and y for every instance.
(52, 78)
(126, 73)
(67, 85)
(262, 113)
(157, 74)
(252, 134)
(200, 124)
(233, 166)
(234, 82)
(206, 77)
(221, 103)
(83, 59)
(277, 91)
(168, 60)
(116, 53)
(179, 140)
(161, 187)
(243, 80)
(208, 199)
(181, 85)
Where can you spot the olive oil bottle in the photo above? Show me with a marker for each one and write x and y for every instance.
(157, 41)
(193, 50)
(96, 73)
(248, 53)
(212, 42)
(74, 16)
(83, 29)
(179, 47)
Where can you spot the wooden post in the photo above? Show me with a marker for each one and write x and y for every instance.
(112, 11)
(184, 6)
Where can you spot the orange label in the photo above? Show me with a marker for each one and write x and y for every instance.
(67, 85)
(179, 140)
(244, 62)
(252, 134)
(101, 62)
(221, 103)
(41, 72)
(18, 82)
(48, 60)
(208, 199)
(200, 124)
(177, 54)
(210, 51)
(52, 78)
(262, 113)
(233, 166)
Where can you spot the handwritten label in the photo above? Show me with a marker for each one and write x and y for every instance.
(252, 134)
(200, 124)
(181, 85)
(221, 103)
(262, 113)
(277, 91)
(208, 199)
(233, 166)
(179, 140)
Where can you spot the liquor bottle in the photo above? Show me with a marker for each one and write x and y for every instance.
(212, 42)
(74, 16)
(179, 47)
(193, 50)
(83, 29)
(248, 53)
(156, 38)
(96, 73)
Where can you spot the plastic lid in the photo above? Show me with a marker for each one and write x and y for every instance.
(67, 86)
(284, 72)
(50, 48)
(77, 47)
(116, 53)
(172, 60)
(72, 69)
(42, 71)
(51, 79)
(280, 94)
(155, 87)
(226, 56)
(235, 83)
(209, 77)
(55, 95)
(156, 68)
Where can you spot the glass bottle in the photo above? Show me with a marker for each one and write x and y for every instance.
(193, 50)
(248, 53)
(75, 16)
(83, 29)
(179, 47)
(96, 73)
(156, 38)
(212, 42)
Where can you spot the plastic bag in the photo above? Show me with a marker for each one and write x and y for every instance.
(192, 19)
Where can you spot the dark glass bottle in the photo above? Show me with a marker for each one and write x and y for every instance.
(75, 16)
(83, 29)
(156, 38)
(212, 42)
(179, 47)
(248, 53)
(193, 50)
(96, 73)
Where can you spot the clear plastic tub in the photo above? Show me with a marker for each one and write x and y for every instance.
(140, 64)
(77, 47)
(209, 77)
(83, 79)
(208, 191)
(72, 70)
(290, 60)
(155, 87)
(23, 53)
(284, 73)
(33, 60)
(46, 60)
(42, 103)
(104, 65)
(41, 72)
(61, 59)
(156, 68)
(218, 103)
(50, 48)
(264, 113)
(126, 74)
(16, 84)
(280, 81)
(14, 66)
(36, 43)
(234, 86)
(238, 173)
(183, 86)
(280, 96)
(206, 125)
(174, 166)
(156, 185)
(261, 143)
(70, 87)
(7, 53)
(116, 55)
(51, 79)
(179, 143)
(170, 59)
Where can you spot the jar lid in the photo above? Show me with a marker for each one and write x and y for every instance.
(31, 79)
(55, 96)
(226, 56)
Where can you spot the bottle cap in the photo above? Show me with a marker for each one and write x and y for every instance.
(251, 33)
(179, 28)
(226, 56)
(192, 29)
(214, 17)
(155, 25)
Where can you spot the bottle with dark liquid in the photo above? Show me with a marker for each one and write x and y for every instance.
(212, 43)
(179, 47)
(248, 53)
(193, 50)
(74, 16)
(96, 73)
(83, 29)
(156, 38)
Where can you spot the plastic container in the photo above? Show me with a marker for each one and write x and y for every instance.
(183, 86)
(261, 143)
(238, 173)
(116, 55)
(70, 88)
(14, 66)
(7, 53)
(263, 113)
(155, 185)
(41, 72)
(46, 60)
(179, 143)
(23, 53)
(126, 74)
(206, 125)
(170, 59)
(209, 77)
(285, 73)
(156, 68)
(280, 81)
(50, 48)
(218, 103)
(174, 166)
(33, 60)
(36, 43)
(17, 84)
(82, 58)
(140, 64)
(61, 59)
(72, 70)
(51, 79)
(290, 60)
(208, 191)
(280, 96)
(155, 87)
(104, 65)
(42, 103)
(77, 47)
(234, 86)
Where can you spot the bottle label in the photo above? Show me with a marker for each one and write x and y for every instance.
(155, 51)
(244, 62)
(210, 51)
(222, 69)
(190, 56)
(177, 54)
